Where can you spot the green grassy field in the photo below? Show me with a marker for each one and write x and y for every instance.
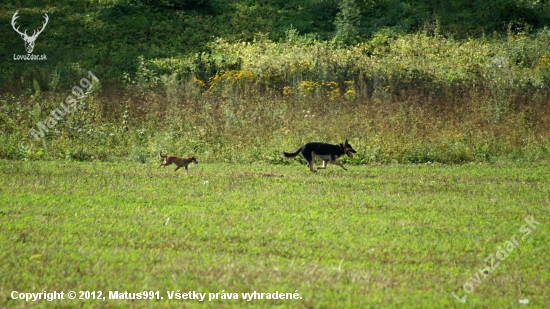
(386, 236)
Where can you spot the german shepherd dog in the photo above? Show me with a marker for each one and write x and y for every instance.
(326, 152)
(179, 161)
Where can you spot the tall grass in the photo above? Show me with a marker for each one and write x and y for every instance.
(251, 124)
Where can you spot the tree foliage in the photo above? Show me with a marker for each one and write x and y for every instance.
(176, 4)
(108, 36)
(347, 22)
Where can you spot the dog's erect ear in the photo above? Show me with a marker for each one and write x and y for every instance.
(346, 142)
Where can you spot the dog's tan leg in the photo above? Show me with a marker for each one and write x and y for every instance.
(310, 165)
(177, 168)
(339, 164)
(324, 165)
(186, 169)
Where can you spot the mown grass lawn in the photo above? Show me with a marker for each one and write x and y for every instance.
(390, 236)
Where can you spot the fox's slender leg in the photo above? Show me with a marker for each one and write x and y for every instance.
(339, 164)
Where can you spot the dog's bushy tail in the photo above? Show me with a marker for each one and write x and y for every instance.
(294, 154)
(161, 156)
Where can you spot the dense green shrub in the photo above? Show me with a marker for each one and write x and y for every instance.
(108, 36)
(388, 62)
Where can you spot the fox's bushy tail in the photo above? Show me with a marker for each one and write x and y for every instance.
(294, 154)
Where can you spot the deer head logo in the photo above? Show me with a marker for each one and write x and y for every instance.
(29, 40)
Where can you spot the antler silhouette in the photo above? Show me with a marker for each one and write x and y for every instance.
(13, 25)
(43, 26)
(29, 40)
